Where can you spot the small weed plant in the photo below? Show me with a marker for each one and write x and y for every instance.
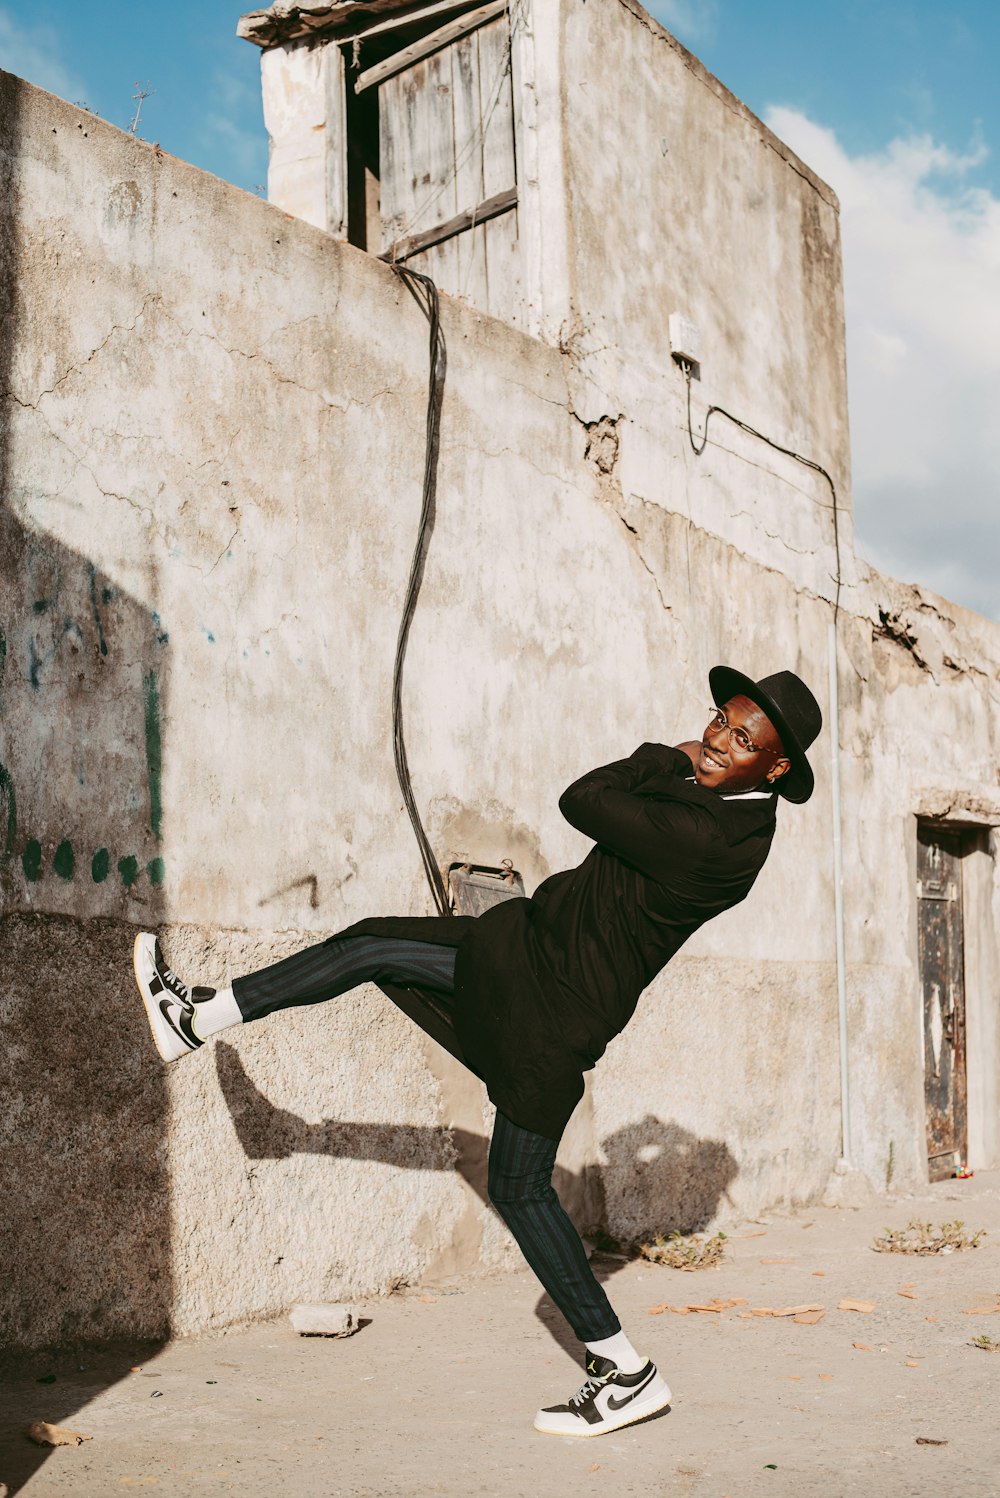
(986, 1344)
(924, 1238)
(679, 1252)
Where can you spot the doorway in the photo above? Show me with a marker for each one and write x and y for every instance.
(941, 938)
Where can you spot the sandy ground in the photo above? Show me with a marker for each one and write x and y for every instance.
(436, 1394)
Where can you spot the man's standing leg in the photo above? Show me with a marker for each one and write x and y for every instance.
(623, 1386)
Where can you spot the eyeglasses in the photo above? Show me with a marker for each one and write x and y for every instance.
(739, 739)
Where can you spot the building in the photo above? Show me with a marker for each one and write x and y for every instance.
(211, 467)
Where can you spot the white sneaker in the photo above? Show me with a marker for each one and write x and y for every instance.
(170, 1004)
(608, 1400)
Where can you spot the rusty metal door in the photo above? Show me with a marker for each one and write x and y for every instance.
(942, 981)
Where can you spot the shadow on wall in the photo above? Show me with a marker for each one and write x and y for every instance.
(678, 1179)
(85, 1225)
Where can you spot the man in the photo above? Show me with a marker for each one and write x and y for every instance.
(529, 994)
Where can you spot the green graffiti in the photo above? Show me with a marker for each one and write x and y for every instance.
(154, 751)
(31, 861)
(128, 868)
(3, 666)
(156, 870)
(7, 793)
(64, 863)
(95, 610)
(99, 865)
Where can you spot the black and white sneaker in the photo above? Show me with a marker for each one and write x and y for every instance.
(608, 1400)
(170, 1004)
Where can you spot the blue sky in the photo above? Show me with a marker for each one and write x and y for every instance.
(895, 104)
(870, 69)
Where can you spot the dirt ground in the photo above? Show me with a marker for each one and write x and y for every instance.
(435, 1395)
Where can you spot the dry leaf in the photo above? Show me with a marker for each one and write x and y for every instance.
(907, 1294)
(44, 1434)
(856, 1305)
(861, 1346)
(777, 1261)
(809, 1318)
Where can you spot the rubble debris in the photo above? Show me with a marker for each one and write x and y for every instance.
(44, 1434)
(325, 1320)
(864, 1306)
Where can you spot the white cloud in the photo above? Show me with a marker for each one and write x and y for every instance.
(32, 52)
(922, 295)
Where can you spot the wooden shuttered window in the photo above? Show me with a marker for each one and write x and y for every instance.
(447, 174)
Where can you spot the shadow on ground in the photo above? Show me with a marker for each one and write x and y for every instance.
(666, 1177)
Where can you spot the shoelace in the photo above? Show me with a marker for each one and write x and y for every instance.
(176, 986)
(590, 1387)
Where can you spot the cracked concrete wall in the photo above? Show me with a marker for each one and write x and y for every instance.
(211, 465)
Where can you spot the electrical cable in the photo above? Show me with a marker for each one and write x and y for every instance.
(788, 452)
(425, 294)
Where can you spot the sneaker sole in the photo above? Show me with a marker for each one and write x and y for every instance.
(149, 1004)
(646, 1412)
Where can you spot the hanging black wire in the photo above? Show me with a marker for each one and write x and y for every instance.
(425, 294)
(788, 452)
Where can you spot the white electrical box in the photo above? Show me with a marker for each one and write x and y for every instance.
(685, 340)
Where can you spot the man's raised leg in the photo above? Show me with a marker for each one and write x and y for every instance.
(182, 1016)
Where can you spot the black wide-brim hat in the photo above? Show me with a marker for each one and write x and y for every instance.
(792, 709)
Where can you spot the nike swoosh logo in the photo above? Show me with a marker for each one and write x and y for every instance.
(617, 1404)
(180, 1022)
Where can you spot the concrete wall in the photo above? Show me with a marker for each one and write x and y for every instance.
(211, 463)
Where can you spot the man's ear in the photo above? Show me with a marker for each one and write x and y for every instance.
(779, 768)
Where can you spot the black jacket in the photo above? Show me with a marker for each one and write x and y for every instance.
(543, 984)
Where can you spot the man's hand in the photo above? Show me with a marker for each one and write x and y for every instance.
(692, 748)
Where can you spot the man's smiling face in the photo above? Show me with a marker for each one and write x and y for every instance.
(740, 750)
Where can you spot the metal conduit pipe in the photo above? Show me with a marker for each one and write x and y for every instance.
(838, 895)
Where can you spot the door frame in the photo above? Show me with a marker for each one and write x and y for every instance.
(980, 873)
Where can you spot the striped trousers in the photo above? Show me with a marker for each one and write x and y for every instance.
(520, 1162)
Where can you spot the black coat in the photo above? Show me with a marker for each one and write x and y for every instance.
(543, 984)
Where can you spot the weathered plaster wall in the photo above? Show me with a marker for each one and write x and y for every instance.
(211, 465)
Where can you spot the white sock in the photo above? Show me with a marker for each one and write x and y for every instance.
(216, 1013)
(620, 1350)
